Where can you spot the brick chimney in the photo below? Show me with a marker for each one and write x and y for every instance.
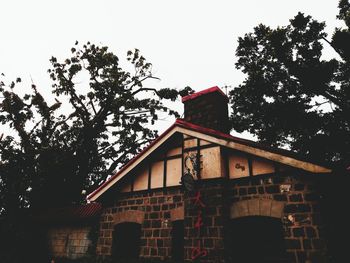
(208, 108)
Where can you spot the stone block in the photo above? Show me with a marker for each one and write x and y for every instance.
(156, 233)
(296, 198)
(261, 190)
(298, 232)
(135, 216)
(273, 189)
(310, 232)
(277, 208)
(280, 197)
(252, 190)
(156, 223)
(239, 209)
(299, 187)
(312, 197)
(243, 191)
(265, 207)
(154, 215)
(177, 213)
(292, 243)
(307, 244)
(253, 207)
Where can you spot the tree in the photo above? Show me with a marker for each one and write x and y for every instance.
(54, 156)
(291, 95)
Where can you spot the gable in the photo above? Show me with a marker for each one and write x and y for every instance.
(221, 155)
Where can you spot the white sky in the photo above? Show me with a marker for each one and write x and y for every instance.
(188, 42)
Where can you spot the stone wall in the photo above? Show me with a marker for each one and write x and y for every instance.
(157, 207)
(292, 197)
(69, 241)
(301, 216)
(205, 216)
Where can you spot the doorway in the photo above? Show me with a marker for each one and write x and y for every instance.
(126, 241)
(255, 239)
(177, 236)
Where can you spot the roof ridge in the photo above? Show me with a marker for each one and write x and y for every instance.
(219, 133)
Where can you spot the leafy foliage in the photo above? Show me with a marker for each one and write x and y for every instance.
(292, 96)
(53, 156)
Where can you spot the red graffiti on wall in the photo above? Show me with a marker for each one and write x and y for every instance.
(198, 200)
(198, 251)
(199, 221)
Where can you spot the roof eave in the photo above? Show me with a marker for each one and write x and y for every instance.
(214, 137)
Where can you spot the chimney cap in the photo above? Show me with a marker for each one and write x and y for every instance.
(204, 92)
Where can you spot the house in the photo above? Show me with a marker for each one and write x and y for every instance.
(198, 193)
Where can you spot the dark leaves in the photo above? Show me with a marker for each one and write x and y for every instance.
(300, 21)
(186, 91)
(286, 76)
(107, 125)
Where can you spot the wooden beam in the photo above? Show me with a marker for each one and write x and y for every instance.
(195, 148)
(250, 165)
(164, 173)
(149, 175)
(198, 159)
(314, 168)
(132, 180)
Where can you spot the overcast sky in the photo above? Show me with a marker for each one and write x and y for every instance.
(188, 42)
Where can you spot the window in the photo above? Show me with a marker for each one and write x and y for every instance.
(255, 239)
(177, 240)
(126, 241)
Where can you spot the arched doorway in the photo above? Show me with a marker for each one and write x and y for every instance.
(255, 239)
(126, 241)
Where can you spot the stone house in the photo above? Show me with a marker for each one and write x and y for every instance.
(198, 193)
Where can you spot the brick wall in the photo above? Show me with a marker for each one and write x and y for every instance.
(157, 207)
(69, 241)
(301, 217)
(209, 110)
(293, 198)
(206, 240)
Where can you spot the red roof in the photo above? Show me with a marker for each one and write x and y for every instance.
(70, 213)
(215, 133)
(203, 92)
(131, 161)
